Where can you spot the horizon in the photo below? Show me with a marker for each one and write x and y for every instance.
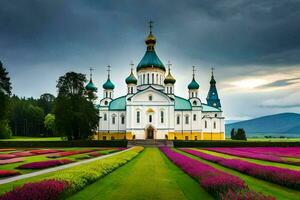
(254, 49)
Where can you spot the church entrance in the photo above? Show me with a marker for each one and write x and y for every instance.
(150, 132)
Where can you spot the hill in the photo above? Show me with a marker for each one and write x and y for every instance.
(278, 124)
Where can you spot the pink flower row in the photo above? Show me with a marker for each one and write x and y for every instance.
(286, 177)
(12, 160)
(44, 164)
(5, 173)
(248, 154)
(69, 153)
(216, 182)
(27, 153)
(44, 190)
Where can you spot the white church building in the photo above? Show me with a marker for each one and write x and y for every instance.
(151, 109)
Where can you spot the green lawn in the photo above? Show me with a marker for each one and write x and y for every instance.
(149, 176)
(24, 138)
(281, 193)
(261, 162)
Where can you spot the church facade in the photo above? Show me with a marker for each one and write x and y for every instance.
(152, 110)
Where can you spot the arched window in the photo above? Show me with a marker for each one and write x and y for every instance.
(131, 90)
(156, 79)
(194, 117)
(195, 103)
(144, 79)
(148, 79)
(187, 119)
(122, 119)
(150, 97)
(171, 92)
(205, 124)
(113, 119)
(138, 116)
(215, 125)
(162, 117)
(150, 118)
(152, 78)
(216, 115)
(105, 117)
(178, 119)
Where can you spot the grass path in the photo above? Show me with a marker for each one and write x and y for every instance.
(149, 176)
(261, 162)
(280, 192)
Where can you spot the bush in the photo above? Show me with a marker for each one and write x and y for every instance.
(43, 190)
(240, 134)
(44, 164)
(5, 131)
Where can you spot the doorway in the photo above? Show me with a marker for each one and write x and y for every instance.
(150, 132)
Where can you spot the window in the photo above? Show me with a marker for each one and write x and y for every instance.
(178, 119)
(195, 137)
(138, 115)
(175, 138)
(113, 119)
(186, 119)
(148, 79)
(194, 117)
(161, 116)
(144, 80)
(152, 78)
(215, 125)
(105, 103)
(122, 119)
(104, 137)
(156, 78)
(131, 90)
(216, 115)
(150, 97)
(171, 92)
(112, 137)
(186, 137)
(105, 117)
(195, 103)
(205, 124)
(150, 118)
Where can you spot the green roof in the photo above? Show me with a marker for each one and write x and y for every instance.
(193, 85)
(108, 85)
(118, 103)
(90, 86)
(131, 79)
(150, 59)
(207, 108)
(182, 104)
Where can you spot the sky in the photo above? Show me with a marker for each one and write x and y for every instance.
(254, 46)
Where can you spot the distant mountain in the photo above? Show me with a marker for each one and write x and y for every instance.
(279, 124)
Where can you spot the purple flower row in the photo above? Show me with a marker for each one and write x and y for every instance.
(253, 155)
(46, 190)
(285, 177)
(216, 182)
(44, 164)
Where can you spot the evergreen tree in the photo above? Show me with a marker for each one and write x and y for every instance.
(75, 116)
(5, 92)
(232, 134)
(241, 134)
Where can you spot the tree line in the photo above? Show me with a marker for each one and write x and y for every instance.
(71, 114)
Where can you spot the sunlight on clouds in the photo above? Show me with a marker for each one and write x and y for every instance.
(249, 83)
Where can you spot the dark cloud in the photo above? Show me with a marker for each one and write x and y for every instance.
(281, 83)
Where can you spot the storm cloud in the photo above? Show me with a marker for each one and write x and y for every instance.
(41, 40)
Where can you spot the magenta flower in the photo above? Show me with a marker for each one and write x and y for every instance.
(44, 164)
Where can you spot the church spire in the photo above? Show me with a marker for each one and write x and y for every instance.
(212, 96)
(150, 40)
(193, 84)
(108, 85)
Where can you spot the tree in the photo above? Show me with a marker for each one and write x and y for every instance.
(75, 116)
(49, 124)
(46, 102)
(5, 92)
(232, 133)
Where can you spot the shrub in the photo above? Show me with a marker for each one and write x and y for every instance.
(44, 164)
(5, 173)
(5, 131)
(43, 190)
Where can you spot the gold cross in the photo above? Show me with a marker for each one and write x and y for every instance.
(150, 25)
(91, 71)
(169, 64)
(194, 70)
(108, 70)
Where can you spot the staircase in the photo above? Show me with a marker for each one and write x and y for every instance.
(150, 143)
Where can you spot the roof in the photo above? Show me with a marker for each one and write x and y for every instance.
(150, 59)
(169, 78)
(91, 86)
(193, 85)
(182, 104)
(108, 85)
(131, 79)
(118, 103)
(207, 108)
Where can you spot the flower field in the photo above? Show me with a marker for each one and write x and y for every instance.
(216, 182)
(272, 154)
(25, 160)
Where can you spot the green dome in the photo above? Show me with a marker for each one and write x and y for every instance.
(108, 85)
(169, 79)
(131, 79)
(90, 86)
(150, 58)
(193, 85)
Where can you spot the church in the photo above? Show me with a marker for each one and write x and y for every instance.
(152, 110)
